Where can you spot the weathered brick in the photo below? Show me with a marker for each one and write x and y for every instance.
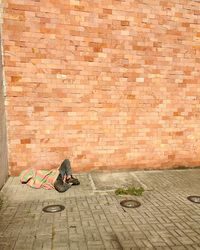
(109, 86)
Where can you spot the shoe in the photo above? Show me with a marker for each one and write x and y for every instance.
(73, 181)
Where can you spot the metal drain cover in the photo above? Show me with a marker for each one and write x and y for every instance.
(130, 203)
(53, 208)
(194, 198)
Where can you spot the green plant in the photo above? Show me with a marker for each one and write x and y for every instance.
(130, 190)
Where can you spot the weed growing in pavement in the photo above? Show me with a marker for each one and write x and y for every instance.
(130, 190)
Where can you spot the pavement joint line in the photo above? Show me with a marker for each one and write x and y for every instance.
(91, 182)
(141, 183)
(89, 208)
(104, 191)
(8, 183)
(166, 170)
(166, 220)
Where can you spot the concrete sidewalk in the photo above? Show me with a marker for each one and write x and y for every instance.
(94, 219)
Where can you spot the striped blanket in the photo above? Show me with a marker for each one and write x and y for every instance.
(39, 178)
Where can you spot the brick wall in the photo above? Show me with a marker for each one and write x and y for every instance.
(107, 84)
(3, 133)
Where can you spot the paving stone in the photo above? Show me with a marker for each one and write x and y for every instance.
(110, 181)
(95, 220)
(7, 243)
(24, 243)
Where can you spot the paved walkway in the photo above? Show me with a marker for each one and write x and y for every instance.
(93, 218)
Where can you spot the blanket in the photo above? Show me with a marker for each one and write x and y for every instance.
(39, 178)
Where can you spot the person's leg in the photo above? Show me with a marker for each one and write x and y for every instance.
(66, 172)
(65, 169)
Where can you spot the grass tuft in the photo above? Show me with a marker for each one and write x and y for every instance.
(130, 190)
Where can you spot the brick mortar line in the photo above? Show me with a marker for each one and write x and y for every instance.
(179, 217)
(113, 229)
(81, 222)
(96, 224)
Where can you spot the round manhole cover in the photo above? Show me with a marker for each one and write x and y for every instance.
(194, 198)
(53, 208)
(130, 203)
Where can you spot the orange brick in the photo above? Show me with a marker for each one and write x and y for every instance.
(105, 86)
(25, 141)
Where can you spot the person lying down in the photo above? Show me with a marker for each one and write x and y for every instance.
(60, 179)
